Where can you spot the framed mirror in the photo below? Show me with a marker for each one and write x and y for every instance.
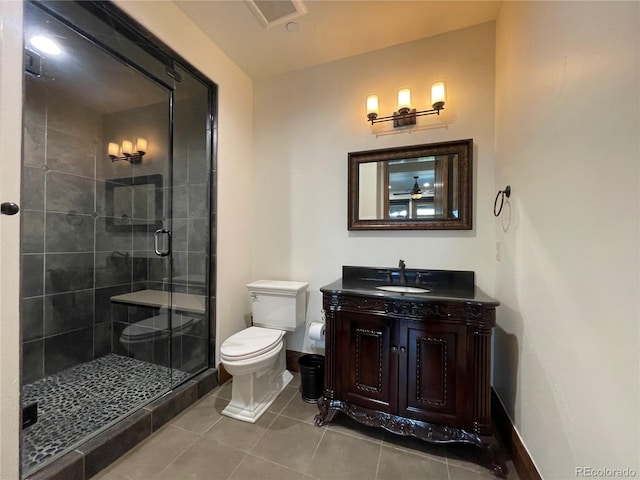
(134, 202)
(419, 187)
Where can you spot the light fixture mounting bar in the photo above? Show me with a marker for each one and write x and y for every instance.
(131, 158)
(403, 119)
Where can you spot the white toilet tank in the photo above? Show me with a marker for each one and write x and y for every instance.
(278, 304)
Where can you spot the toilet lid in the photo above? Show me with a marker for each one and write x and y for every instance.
(144, 329)
(250, 342)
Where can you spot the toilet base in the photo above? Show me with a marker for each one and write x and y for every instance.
(252, 394)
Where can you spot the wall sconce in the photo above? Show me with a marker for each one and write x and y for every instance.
(405, 114)
(127, 151)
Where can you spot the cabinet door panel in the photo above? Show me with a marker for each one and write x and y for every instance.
(364, 363)
(434, 362)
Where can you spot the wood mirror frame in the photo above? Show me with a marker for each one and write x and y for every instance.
(447, 205)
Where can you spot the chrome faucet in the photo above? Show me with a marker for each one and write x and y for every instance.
(403, 275)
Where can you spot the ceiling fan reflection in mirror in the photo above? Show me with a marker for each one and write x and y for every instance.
(415, 191)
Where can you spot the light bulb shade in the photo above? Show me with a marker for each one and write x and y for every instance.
(141, 144)
(438, 95)
(372, 104)
(127, 147)
(113, 149)
(404, 99)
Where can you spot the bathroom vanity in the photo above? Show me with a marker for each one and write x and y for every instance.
(414, 361)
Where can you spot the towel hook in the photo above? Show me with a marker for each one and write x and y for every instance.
(501, 194)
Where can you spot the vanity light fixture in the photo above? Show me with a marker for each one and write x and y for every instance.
(127, 152)
(405, 114)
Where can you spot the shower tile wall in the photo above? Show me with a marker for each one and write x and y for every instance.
(72, 264)
(58, 322)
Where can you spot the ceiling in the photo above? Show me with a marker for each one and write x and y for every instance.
(330, 30)
(83, 72)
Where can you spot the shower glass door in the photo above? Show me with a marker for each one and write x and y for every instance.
(96, 205)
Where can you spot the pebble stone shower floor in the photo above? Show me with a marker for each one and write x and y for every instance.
(81, 400)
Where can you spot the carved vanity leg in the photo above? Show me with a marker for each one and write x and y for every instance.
(492, 457)
(326, 414)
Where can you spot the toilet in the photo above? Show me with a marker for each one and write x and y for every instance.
(255, 356)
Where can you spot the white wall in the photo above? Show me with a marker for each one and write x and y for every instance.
(567, 130)
(307, 121)
(10, 146)
(235, 130)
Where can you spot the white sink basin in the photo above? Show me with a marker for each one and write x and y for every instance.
(402, 289)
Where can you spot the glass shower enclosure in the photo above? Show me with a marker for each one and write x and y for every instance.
(115, 233)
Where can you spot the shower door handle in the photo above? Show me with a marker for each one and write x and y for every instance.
(156, 242)
(9, 208)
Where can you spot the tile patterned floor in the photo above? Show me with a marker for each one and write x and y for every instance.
(284, 444)
(84, 399)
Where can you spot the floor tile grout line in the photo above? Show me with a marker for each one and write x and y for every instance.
(190, 444)
(177, 457)
(286, 404)
(251, 454)
(308, 422)
(357, 435)
(379, 459)
(315, 450)
(203, 434)
(448, 471)
(238, 465)
(434, 457)
(263, 432)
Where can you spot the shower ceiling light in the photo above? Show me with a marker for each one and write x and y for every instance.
(127, 151)
(405, 114)
(45, 45)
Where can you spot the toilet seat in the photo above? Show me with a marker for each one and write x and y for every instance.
(250, 343)
(145, 329)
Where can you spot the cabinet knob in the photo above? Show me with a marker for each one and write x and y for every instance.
(402, 349)
(394, 349)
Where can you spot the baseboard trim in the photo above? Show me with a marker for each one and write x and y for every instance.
(511, 440)
(292, 360)
(223, 375)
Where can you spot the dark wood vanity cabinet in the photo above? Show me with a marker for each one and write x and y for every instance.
(400, 366)
(419, 368)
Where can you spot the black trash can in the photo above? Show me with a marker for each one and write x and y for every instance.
(311, 377)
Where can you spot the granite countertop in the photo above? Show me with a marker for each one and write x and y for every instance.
(443, 285)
